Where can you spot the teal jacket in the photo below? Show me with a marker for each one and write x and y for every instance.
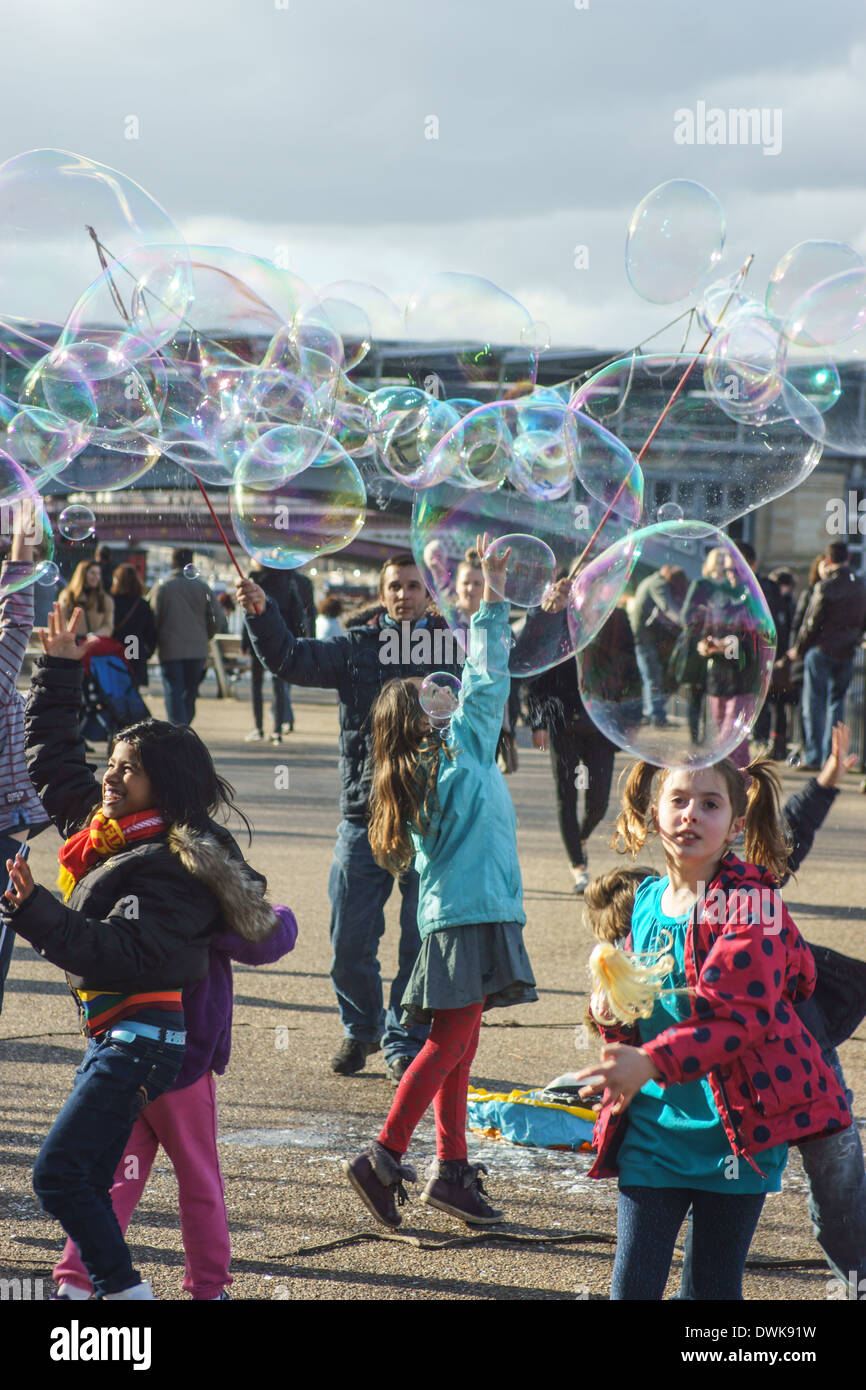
(468, 862)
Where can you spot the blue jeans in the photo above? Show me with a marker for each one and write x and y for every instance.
(650, 667)
(825, 683)
(180, 682)
(358, 889)
(75, 1167)
(837, 1197)
(648, 1221)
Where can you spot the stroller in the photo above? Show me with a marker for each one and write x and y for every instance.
(111, 697)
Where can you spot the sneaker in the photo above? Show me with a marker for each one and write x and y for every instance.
(288, 728)
(276, 738)
(397, 1068)
(456, 1189)
(378, 1179)
(138, 1291)
(581, 878)
(351, 1056)
(68, 1293)
(255, 737)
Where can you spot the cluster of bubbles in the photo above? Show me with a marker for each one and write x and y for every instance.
(240, 373)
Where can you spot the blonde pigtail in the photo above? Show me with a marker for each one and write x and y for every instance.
(631, 829)
(765, 838)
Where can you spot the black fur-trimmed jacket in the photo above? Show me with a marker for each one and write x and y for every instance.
(356, 665)
(141, 919)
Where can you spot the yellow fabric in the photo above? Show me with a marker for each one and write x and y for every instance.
(106, 837)
(530, 1098)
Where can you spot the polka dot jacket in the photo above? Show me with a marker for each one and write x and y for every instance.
(746, 964)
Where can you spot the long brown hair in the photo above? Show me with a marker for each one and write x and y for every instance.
(126, 580)
(405, 773)
(74, 591)
(766, 841)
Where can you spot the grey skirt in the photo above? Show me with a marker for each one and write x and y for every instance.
(465, 965)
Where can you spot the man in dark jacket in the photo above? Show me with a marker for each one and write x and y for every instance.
(828, 638)
(401, 639)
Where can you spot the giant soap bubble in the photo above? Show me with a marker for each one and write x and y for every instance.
(686, 692)
(675, 237)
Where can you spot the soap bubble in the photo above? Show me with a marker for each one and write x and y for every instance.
(191, 572)
(155, 287)
(446, 521)
(831, 312)
(471, 337)
(47, 574)
(530, 570)
(49, 199)
(800, 270)
(76, 522)
(316, 512)
(723, 301)
(98, 469)
(40, 442)
(669, 511)
(439, 697)
(708, 669)
(675, 236)
(721, 468)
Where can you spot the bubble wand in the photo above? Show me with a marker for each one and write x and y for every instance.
(121, 308)
(658, 424)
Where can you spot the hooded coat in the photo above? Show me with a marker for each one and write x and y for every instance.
(141, 919)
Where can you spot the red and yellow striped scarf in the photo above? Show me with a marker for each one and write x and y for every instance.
(100, 838)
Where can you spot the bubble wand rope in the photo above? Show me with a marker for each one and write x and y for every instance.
(658, 424)
(121, 308)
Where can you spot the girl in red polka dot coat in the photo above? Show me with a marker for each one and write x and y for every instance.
(709, 1075)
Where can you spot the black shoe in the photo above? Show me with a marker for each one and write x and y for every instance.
(397, 1068)
(351, 1056)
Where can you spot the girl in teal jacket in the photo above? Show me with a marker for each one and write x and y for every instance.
(445, 805)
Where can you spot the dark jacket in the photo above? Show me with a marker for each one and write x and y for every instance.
(284, 588)
(836, 616)
(185, 884)
(553, 700)
(356, 665)
(133, 617)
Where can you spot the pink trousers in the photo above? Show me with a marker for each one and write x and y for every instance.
(185, 1123)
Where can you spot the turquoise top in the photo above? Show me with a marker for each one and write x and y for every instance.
(674, 1136)
(468, 862)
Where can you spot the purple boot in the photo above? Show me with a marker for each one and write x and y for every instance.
(378, 1179)
(456, 1188)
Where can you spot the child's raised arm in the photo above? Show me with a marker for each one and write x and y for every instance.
(477, 722)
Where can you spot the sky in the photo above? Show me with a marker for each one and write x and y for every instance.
(386, 141)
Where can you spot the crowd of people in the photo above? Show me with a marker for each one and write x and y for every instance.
(718, 1030)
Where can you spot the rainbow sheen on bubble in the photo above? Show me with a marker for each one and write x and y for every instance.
(315, 512)
(529, 572)
(705, 675)
(76, 522)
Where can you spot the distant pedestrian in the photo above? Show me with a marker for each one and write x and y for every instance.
(105, 560)
(328, 618)
(134, 624)
(831, 631)
(85, 590)
(280, 586)
(185, 622)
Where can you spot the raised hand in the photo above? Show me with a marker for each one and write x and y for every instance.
(494, 568)
(251, 598)
(61, 638)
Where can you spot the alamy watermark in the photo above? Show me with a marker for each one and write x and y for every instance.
(846, 517)
(738, 125)
(22, 516)
(742, 907)
(432, 648)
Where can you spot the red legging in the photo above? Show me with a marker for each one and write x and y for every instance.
(439, 1073)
